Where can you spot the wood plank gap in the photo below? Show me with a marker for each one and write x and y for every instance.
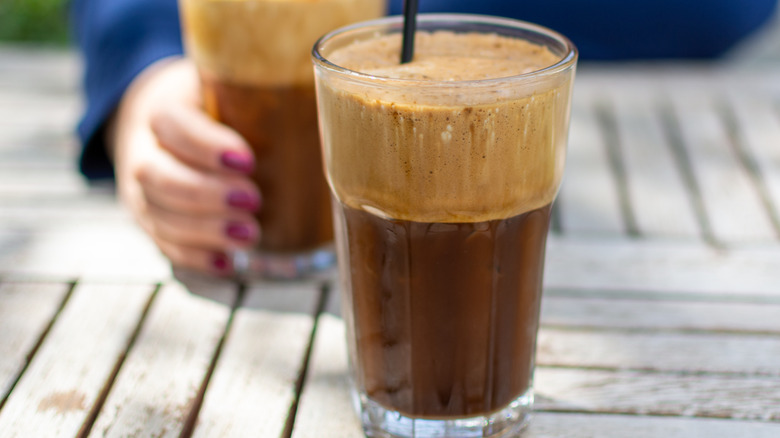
(657, 372)
(657, 295)
(563, 410)
(188, 428)
(659, 330)
(674, 137)
(597, 411)
(37, 345)
(747, 161)
(89, 421)
(606, 120)
(325, 291)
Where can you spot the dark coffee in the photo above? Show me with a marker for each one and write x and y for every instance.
(445, 314)
(280, 123)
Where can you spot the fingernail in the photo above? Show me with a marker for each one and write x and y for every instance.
(220, 262)
(243, 199)
(240, 231)
(242, 162)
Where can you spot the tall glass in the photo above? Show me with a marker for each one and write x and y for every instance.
(256, 75)
(442, 191)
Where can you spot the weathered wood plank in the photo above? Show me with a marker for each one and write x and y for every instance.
(588, 198)
(629, 314)
(299, 296)
(101, 251)
(677, 77)
(733, 205)
(260, 364)
(629, 392)
(653, 351)
(560, 425)
(23, 183)
(159, 381)
(326, 405)
(325, 409)
(30, 67)
(660, 200)
(757, 120)
(55, 211)
(67, 374)
(656, 267)
(26, 312)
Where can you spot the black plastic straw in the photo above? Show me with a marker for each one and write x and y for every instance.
(410, 26)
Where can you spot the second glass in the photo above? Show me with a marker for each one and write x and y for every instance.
(253, 57)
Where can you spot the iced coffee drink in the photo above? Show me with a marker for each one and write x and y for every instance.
(443, 172)
(253, 57)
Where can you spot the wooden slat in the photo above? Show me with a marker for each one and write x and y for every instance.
(560, 425)
(757, 119)
(159, 381)
(684, 352)
(614, 313)
(656, 267)
(299, 296)
(677, 76)
(733, 205)
(259, 366)
(756, 398)
(101, 251)
(325, 409)
(28, 67)
(326, 406)
(54, 211)
(588, 198)
(24, 183)
(660, 201)
(26, 312)
(68, 372)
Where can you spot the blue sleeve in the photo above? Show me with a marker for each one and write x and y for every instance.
(118, 39)
(625, 29)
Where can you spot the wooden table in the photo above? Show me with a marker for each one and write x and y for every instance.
(661, 313)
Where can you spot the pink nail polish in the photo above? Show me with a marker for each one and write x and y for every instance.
(243, 200)
(220, 262)
(241, 162)
(239, 231)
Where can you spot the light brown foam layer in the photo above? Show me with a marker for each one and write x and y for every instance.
(463, 153)
(446, 56)
(265, 42)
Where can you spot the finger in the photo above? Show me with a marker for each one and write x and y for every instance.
(194, 138)
(197, 259)
(215, 232)
(168, 183)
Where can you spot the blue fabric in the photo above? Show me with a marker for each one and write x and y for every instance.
(625, 29)
(119, 38)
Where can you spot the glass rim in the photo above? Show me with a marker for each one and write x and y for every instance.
(568, 61)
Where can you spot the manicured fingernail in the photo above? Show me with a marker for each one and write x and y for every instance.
(242, 162)
(243, 199)
(240, 231)
(220, 262)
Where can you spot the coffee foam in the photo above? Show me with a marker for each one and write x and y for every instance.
(264, 42)
(454, 155)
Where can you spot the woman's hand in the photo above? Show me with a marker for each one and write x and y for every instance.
(184, 177)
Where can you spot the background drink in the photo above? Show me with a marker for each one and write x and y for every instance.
(254, 60)
(443, 180)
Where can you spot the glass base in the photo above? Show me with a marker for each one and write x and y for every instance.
(381, 422)
(280, 266)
